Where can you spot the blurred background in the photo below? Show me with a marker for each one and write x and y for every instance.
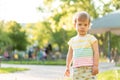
(37, 31)
(28, 27)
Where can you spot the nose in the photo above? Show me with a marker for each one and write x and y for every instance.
(82, 27)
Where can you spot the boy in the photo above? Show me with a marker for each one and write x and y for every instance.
(83, 50)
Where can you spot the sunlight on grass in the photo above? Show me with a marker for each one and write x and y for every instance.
(109, 75)
(64, 79)
(103, 59)
(11, 70)
(34, 62)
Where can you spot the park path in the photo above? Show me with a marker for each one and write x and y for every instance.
(44, 72)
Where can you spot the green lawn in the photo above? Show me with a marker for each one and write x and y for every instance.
(11, 70)
(118, 64)
(45, 62)
(35, 62)
(109, 75)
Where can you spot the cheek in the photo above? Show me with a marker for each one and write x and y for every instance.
(76, 27)
(87, 29)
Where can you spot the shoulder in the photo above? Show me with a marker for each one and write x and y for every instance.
(74, 38)
(70, 42)
(90, 36)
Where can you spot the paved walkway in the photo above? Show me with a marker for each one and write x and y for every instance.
(41, 72)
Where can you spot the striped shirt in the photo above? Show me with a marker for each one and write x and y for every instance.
(82, 50)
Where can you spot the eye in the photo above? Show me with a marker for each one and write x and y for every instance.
(79, 24)
(85, 24)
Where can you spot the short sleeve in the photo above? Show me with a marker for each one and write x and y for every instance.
(92, 39)
(70, 42)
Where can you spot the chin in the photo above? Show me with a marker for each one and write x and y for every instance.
(83, 34)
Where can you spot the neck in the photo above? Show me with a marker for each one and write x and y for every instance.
(82, 34)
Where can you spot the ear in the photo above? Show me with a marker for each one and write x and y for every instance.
(90, 26)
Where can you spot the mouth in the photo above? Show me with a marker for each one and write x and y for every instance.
(82, 30)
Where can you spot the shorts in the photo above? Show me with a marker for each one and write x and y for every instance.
(83, 73)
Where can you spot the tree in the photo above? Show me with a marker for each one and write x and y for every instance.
(29, 29)
(5, 41)
(42, 33)
(17, 35)
(62, 15)
(116, 4)
(61, 18)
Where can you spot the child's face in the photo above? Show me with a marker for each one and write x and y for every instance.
(82, 26)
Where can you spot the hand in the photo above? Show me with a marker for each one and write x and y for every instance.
(95, 70)
(67, 73)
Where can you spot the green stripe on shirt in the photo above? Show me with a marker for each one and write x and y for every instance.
(83, 52)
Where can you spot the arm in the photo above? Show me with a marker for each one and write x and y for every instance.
(68, 61)
(95, 57)
(69, 57)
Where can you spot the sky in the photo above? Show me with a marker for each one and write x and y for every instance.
(22, 11)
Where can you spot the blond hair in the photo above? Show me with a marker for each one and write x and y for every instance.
(81, 16)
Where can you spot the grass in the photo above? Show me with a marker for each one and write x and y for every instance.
(118, 65)
(109, 75)
(35, 62)
(11, 70)
(45, 62)
(103, 59)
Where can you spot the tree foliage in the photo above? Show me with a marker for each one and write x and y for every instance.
(16, 34)
(57, 25)
(5, 41)
(62, 15)
(61, 19)
(116, 4)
